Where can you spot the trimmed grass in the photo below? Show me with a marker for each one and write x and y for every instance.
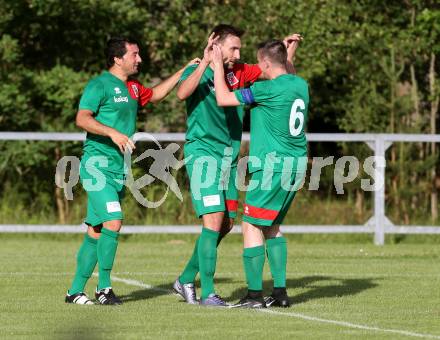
(391, 287)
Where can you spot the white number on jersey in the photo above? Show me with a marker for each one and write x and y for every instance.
(296, 115)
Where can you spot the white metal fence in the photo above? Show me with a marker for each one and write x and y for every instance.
(378, 224)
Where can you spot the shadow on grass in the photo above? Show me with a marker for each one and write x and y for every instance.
(317, 287)
(160, 290)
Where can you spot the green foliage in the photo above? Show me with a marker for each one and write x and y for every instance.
(367, 63)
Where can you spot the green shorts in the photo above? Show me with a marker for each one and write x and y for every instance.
(105, 191)
(267, 203)
(212, 190)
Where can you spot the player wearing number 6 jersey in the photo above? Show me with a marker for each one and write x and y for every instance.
(278, 152)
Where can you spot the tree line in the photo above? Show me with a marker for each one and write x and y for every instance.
(372, 66)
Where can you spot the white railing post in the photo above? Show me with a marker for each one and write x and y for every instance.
(380, 146)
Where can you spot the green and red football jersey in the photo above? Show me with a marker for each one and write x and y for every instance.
(114, 104)
(278, 119)
(210, 128)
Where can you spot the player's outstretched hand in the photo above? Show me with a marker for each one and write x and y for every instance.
(294, 38)
(122, 141)
(217, 56)
(292, 42)
(195, 61)
(207, 53)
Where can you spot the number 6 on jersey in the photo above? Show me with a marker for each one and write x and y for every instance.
(296, 115)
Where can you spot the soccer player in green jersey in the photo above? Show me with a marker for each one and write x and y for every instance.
(107, 112)
(212, 146)
(278, 155)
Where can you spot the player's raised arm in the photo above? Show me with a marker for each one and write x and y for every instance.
(222, 94)
(291, 42)
(187, 86)
(161, 90)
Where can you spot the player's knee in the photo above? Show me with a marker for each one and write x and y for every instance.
(95, 231)
(114, 225)
(272, 232)
(250, 231)
(213, 221)
(227, 225)
(244, 228)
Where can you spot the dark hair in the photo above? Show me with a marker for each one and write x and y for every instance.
(275, 50)
(223, 30)
(116, 48)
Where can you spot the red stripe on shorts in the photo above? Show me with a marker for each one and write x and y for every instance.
(232, 205)
(262, 213)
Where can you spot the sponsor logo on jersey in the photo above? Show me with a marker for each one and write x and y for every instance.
(246, 210)
(135, 90)
(232, 79)
(120, 99)
(117, 90)
(114, 206)
(211, 200)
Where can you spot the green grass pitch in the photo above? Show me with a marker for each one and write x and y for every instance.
(339, 291)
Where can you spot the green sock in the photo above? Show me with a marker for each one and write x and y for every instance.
(192, 267)
(85, 264)
(277, 255)
(107, 245)
(207, 251)
(253, 262)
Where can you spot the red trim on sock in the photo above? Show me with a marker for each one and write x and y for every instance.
(265, 214)
(232, 205)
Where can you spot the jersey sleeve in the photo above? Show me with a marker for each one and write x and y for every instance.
(257, 93)
(145, 94)
(187, 72)
(92, 97)
(251, 73)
